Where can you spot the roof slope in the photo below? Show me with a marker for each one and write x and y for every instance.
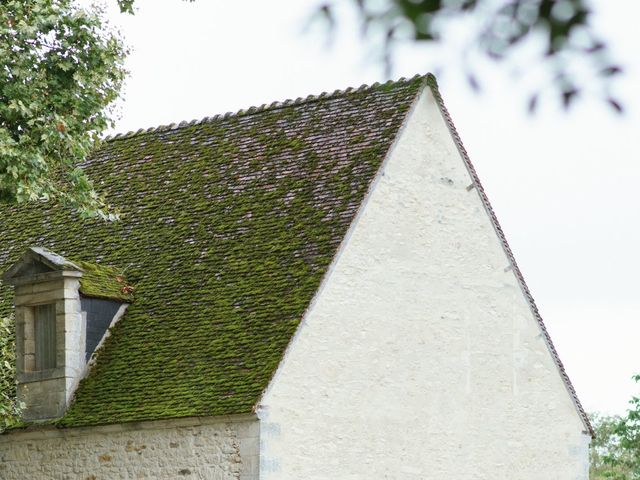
(228, 226)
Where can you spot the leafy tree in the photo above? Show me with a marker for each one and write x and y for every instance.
(502, 28)
(9, 408)
(610, 460)
(61, 70)
(628, 432)
(615, 452)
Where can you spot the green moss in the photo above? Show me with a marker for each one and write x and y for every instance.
(227, 229)
(104, 282)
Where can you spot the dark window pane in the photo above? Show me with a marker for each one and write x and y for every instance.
(45, 316)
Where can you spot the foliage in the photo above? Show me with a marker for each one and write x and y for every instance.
(615, 452)
(126, 6)
(610, 460)
(628, 431)
(564, 27)
(62, 69)
(9, 408)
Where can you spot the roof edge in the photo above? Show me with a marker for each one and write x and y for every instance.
(433, 84)
(345, 240)
(52, 430)
(264, 107)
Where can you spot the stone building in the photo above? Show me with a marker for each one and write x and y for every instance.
(314, 289)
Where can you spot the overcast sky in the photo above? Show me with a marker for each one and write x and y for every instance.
(565, 187)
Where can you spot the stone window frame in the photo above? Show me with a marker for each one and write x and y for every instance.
(26, 349)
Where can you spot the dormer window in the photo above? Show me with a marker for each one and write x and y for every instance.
(45, 336)
(63, 311)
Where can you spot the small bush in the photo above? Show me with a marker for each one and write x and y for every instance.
(9, 407)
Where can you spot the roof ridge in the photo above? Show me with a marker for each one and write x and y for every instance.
(264, 107)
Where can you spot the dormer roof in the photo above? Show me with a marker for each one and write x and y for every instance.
(36, 262)
(103, 281)
(98, 281)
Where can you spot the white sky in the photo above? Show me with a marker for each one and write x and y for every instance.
(565, 187)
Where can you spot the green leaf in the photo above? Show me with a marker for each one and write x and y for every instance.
(57, 86)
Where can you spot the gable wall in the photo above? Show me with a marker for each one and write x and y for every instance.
(420, 357)
(218, 448)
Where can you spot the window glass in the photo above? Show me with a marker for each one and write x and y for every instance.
(45, 317)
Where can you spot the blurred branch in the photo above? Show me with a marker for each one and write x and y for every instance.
(563, 26)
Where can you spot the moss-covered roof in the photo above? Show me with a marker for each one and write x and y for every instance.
(97, 280)
(227, 228)
(103, 281)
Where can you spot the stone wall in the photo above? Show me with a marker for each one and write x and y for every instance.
(219, 448)
(421, 357)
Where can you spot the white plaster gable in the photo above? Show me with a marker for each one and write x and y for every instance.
(420, 356)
